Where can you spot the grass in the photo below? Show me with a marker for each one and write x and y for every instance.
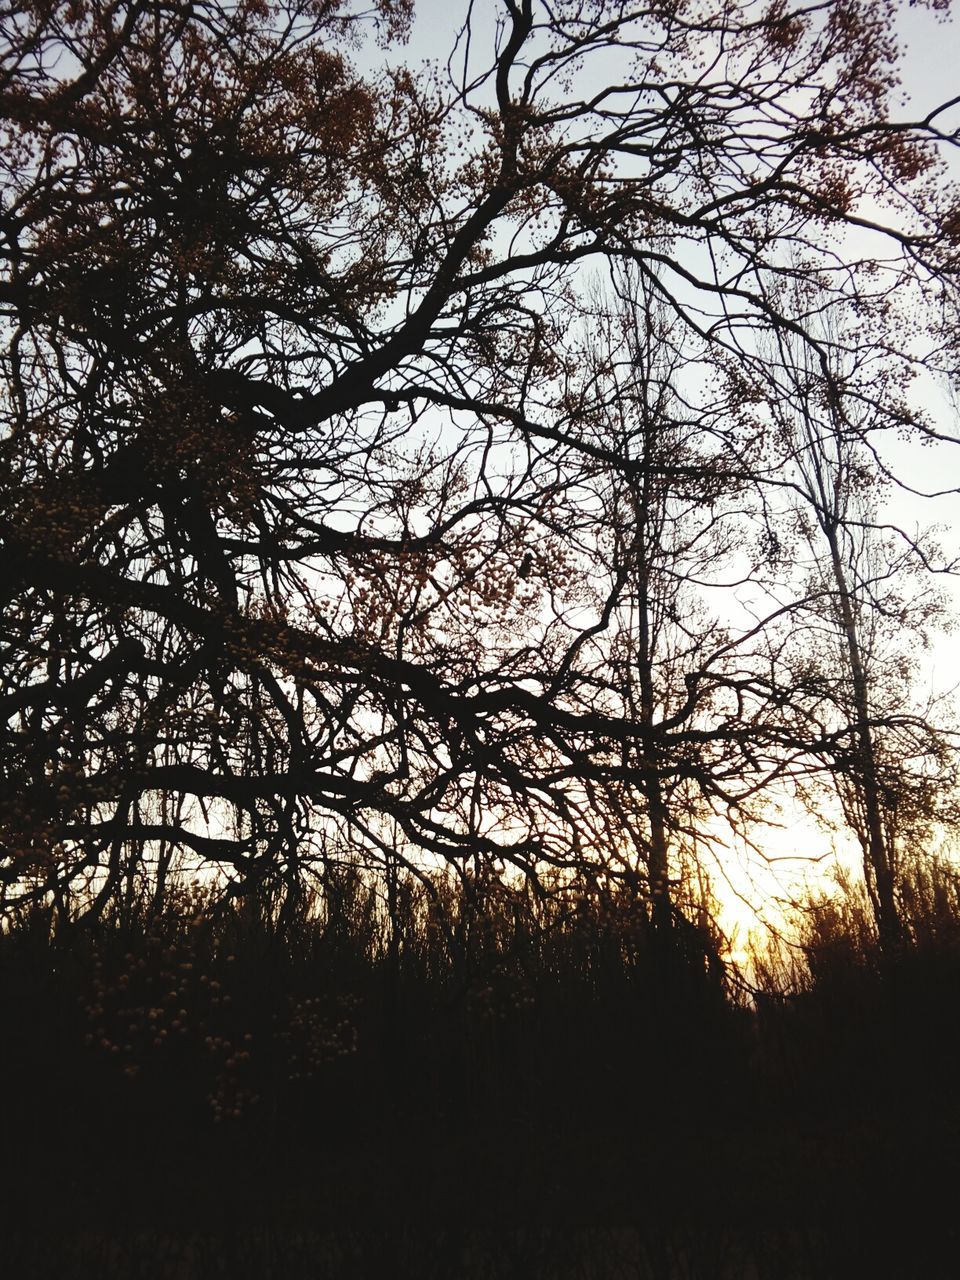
(478, 1080)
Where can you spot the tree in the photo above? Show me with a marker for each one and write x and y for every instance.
(888, 764)
(294, 451)
(667, 519)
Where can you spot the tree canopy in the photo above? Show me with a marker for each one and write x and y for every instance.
(413, 458)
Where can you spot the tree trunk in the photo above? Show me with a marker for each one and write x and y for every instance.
(878, 862)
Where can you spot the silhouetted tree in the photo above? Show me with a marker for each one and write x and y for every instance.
(294, 455)
(667, 518)
(862, 617)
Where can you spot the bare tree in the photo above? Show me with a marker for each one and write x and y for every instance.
(886, 758)
(667, 518)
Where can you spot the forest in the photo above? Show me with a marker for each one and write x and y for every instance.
(473, 476)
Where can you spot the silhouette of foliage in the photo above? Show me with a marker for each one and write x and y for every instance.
(312, 471)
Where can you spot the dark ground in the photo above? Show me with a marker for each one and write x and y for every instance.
(571, 1110)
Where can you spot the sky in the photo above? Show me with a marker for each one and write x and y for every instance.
(800, 852)
(797, 851)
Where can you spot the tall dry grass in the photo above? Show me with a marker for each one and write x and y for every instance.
(476, 1069)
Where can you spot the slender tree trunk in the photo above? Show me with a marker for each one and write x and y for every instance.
(661, 907)
(878, 862)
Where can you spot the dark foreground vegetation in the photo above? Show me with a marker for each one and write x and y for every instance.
(432, 1078)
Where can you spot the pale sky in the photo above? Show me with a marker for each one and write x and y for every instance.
(930, 78)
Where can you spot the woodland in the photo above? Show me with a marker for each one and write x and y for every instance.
(466, 471)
